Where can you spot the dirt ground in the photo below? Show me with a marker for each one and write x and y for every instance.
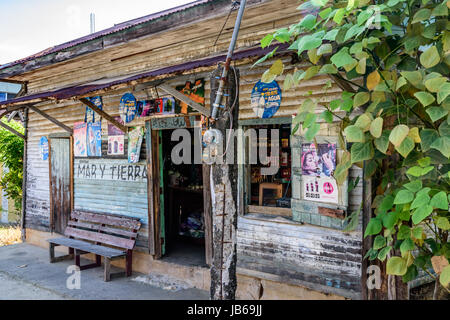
(9, 234)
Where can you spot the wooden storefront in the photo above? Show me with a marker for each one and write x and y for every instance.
(282, 252)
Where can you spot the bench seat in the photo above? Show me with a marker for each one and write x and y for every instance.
(102, 234)
(88, 247)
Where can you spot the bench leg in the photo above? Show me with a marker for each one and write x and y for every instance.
(129, 260)
(54, 259)
(107, 274)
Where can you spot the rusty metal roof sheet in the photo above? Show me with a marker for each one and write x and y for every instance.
(79, 90)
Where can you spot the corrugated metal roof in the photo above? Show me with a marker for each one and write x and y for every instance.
(79, 90)
(115, 28)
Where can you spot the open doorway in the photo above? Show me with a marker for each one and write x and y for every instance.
(184, 224)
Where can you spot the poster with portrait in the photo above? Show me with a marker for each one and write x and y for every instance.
(116, 139)
(94, 139)
(318, 164)
(266, 99)
(320, 161)
(135, 137)
(79, 139)
(195, 91)
(91, 115)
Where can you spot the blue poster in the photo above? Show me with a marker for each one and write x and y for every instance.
(128, 107)
(266, 99)
(43, 148)
(94, 139)
(91, 115)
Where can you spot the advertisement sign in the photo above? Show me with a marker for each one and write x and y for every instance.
(127, 107)
(318, 165)
(116, 139)
(43, 148)
(91, 115)
(320, 189)
(79, 139)
(134, 144)
(266, 99)
(318, 162)
(94, 139)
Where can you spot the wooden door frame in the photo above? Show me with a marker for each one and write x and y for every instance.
(154, 196)
(71, 173)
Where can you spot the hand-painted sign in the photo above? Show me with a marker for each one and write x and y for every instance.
(128, 107)
(79, 139)
(43, 148)
(104, 169)
(266, 99)
(91, 115)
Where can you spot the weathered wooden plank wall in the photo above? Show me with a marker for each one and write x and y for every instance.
(320, 258)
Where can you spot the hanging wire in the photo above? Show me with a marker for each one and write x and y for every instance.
(234, 6)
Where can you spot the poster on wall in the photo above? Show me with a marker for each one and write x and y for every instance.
(94, 139)
(116, 139)
(318, 164)
(127, 107)
(79, 139)
(135, 137)
(91, 115)
(43, 148)
(195, 91)
(266, 99)
(320, 189)
(145, 108)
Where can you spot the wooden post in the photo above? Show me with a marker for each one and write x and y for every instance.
(24, 177)
(224, 204)
(46, 116)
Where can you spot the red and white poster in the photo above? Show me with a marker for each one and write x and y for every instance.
(318, 165)
(320, 189)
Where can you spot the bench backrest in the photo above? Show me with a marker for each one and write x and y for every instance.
(113, 230)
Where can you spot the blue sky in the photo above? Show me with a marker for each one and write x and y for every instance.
(30, 26)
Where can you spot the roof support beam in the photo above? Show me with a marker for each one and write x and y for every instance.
(104, 115)
(184, 99)
(46, 116)
(12, 130)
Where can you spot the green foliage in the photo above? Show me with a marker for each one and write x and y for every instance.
(11, 156)
(393, 56)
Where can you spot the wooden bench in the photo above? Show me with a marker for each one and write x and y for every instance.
(109, 236)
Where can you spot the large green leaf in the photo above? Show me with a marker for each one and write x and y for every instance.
(398, 134)
(436, 113)
(443, 223)
(403, 196)
(361, 151)
(443, 92)
(364, 122)
(308, 42)
(444, 278)
(420, 200)
(421, 213)
(433, 84)
(396, 266)
(376, 127)
(430, 57)
(342, 58)
(405, 147)
(382, 143)
(413, 186)
(379, 242)
(443, 145)
(312, 131)
(354, 134)
(383, 253)
(360, 99)
(427, 137)
(440, 201)
(407, 245)
(373, 227)
(414, 77)
(425, 98)
(421, 15)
